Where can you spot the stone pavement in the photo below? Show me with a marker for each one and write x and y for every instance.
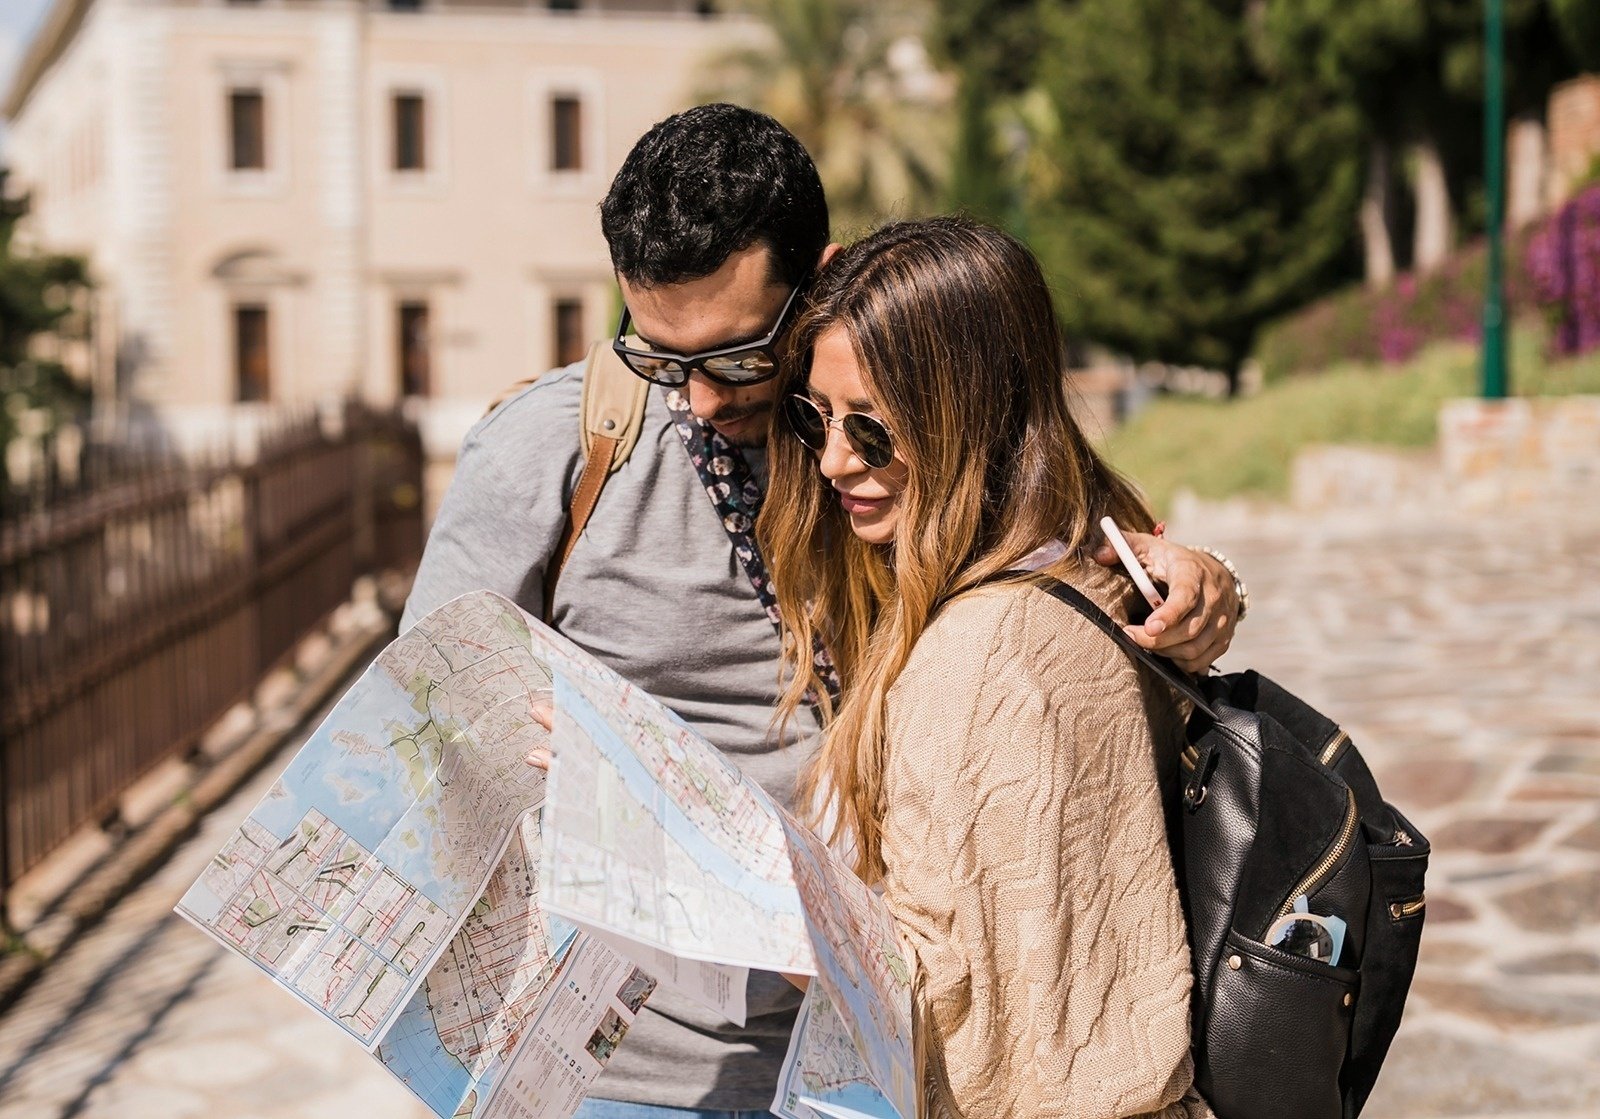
(1463, 654)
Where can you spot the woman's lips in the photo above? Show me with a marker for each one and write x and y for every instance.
(861, 504)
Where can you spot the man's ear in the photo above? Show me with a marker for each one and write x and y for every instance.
(828, 254)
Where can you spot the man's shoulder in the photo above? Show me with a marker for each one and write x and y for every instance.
(546, 409)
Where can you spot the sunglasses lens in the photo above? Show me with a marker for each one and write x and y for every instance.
(870, 440)
(805, 420)
(742, 368)
(661, 370)
(1301, 937)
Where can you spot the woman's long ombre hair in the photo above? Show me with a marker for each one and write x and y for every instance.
(953, 328)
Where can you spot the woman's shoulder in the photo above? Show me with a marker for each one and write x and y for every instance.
(1005, 667)
(1012, 646)
(1021, 619)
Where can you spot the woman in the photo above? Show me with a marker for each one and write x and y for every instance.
(995, 760)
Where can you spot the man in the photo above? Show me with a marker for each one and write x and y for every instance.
(714, 220)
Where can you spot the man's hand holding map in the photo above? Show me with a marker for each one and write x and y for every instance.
(490, 939)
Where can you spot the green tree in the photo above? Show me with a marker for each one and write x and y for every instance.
(845, 76)
(38, 296)
(1414, 70)
(1187, 188)
(992, 48)
(1578, 24)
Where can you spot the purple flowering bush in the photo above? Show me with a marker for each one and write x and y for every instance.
(1563, 264)
(1552, 267)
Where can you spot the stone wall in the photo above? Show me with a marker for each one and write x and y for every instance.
(1520, 451)
(1574, 116)
(1490, 454)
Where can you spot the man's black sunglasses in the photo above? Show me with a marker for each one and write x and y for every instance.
(747, 364)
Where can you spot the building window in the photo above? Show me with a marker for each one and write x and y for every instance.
(564, 5)
(416, 371)
(566, 133)
(571, 345)
(247, 130)
(410, 132)
(252, 368)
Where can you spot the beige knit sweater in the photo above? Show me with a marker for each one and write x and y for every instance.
(1027, 863)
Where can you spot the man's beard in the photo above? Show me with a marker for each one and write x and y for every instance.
(756, 436)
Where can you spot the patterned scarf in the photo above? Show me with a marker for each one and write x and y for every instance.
(736, 496)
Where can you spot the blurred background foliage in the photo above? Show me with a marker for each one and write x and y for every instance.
(1282, 185)
(849, 78)
(40, 313)
(1209, 182)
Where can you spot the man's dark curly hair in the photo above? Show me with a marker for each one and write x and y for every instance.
(706, 183)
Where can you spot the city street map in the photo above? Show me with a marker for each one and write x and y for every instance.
(490, 939)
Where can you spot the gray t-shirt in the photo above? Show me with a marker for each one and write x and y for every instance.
(654, 591)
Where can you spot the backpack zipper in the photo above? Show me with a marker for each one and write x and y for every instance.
(1313, 881)
(1410, 907)
(1335, 747)
(1330, 754)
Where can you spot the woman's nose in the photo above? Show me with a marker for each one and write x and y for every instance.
(838, 458)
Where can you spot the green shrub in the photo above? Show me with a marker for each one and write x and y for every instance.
(1220, 448)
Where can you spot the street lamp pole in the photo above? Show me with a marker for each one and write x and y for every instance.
(1494, 131)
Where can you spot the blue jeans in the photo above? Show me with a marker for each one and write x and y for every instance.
(611, 1109)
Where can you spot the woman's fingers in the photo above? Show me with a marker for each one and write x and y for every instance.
(1194, 645)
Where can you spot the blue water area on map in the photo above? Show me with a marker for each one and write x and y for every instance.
(772, 897)
(414, 1053)
(857, 1099)
(366, 794)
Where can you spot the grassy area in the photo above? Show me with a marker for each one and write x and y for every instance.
(1226, 448)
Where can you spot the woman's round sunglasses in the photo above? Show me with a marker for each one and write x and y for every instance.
(867, 435)
(748, 363)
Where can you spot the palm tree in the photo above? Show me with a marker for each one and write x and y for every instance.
(850, 78)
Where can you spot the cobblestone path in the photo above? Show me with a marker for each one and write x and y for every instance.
(1464, 656)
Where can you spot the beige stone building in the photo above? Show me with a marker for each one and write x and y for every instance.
(286, 200)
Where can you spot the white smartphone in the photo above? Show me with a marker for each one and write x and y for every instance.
(1136, 571)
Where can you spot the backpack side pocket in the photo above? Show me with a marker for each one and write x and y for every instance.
(1277, 1036)
(1394, 932)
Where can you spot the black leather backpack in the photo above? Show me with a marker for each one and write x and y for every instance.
(1274, 802)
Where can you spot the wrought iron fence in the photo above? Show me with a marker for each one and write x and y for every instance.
(142, 601)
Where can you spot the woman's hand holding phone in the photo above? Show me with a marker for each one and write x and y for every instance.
(1192, 622)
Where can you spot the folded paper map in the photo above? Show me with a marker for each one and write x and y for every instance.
(490, 939)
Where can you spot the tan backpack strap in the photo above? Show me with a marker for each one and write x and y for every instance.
(614, 400)
(596, 469)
